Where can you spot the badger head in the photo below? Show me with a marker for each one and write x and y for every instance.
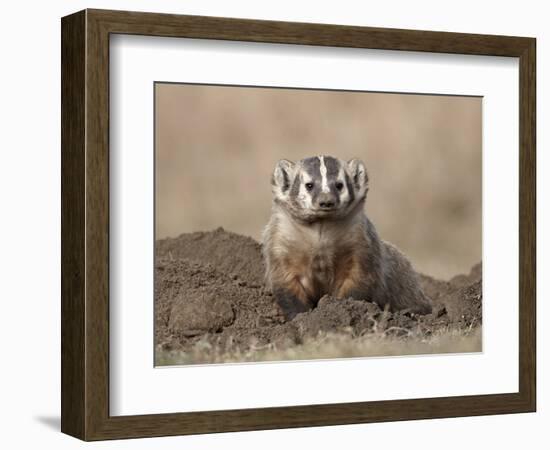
(319, 187)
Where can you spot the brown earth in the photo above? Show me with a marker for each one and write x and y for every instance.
(209, 293)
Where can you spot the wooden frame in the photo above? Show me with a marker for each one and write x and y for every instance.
(85, 224)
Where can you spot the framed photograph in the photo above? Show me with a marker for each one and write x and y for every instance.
(273, 225)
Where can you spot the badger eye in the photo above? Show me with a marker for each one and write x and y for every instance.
(339, 186)
(309, 186)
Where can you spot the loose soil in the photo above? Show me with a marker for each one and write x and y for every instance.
(209, 294)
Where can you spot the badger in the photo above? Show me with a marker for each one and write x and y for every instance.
(319, 241)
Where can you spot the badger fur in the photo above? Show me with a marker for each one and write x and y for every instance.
(319, 241)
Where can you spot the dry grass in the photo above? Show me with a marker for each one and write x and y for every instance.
(331, 346)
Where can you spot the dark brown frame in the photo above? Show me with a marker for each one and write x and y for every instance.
(85, 224)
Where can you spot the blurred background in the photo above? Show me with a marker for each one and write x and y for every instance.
(216, 147)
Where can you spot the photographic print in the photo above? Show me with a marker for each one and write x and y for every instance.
(300, 224)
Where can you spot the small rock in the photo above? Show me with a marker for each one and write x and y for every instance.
(196, 313)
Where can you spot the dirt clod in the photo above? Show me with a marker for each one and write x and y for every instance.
(196, 313)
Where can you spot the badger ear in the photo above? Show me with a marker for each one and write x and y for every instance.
(282, 175)
(358, 173)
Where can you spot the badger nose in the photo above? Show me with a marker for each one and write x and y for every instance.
(326, 201)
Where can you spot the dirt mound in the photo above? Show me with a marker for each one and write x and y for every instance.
(209, 292)
(228, 252)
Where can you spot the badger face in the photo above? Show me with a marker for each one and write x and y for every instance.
(319, 187)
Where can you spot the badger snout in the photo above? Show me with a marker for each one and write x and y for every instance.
(326, 201)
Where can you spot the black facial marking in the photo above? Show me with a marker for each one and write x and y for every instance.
(351, 191)
(312, 166)
(333, 167)
(295, 190)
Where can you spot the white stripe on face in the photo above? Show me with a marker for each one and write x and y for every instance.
(323, 170)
